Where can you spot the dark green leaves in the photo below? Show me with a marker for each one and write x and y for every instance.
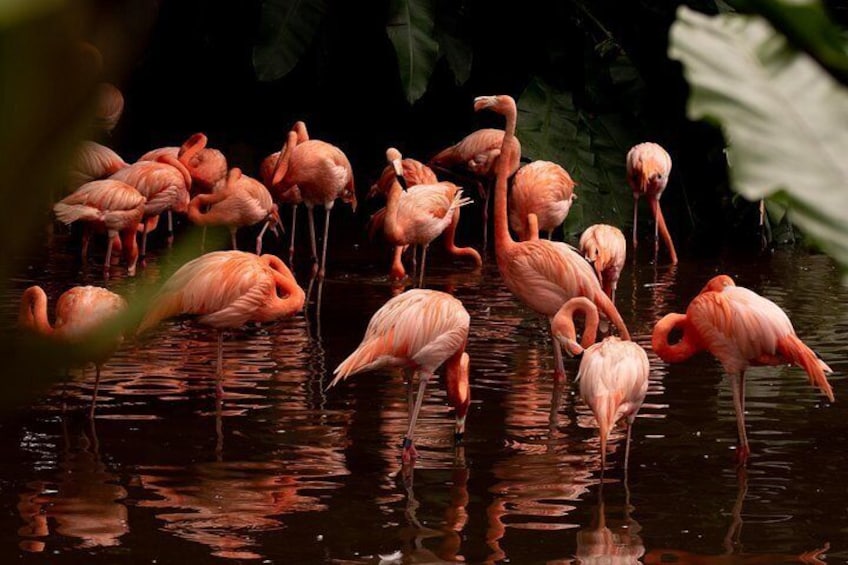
(592, 148)
(286, 31)
(410, 29)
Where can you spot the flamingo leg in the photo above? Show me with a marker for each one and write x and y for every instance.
(414, 260)
(312, 234)
(409, 453)
(627, 445)
(170, 228)
(661, 228)
(485, 193)
(635, 218)
(293, 225)
(423, 263)
(550, 235)
(96, 388)
(144, 239)
(203, 240)
(259, 238)
(323, 269)
(559, 366)
(737, 383)
(111, 235)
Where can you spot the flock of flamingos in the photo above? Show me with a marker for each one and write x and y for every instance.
(418, 330)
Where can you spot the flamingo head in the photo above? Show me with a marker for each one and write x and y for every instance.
(459, 391)
(717, 284)
(502, 103)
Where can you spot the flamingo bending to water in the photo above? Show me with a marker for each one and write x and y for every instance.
(542, 188)
(741, 329)
(419, 330)
(80, 313)
(605, 248)
(613, 374)
(542, 274)
(648, 167)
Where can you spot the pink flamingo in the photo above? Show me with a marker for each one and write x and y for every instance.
(165, 183)
(109, 107)
(244, 201)
(93, 161)
(228, 289)
(648, 167)
(81, 314)
(419, 330)
(613, 374)
(109, 205)
(545, 189)
(322, 173)
(208, 167)
(605, 248)
(423, 212)
(542, 274)
(741, 329)
(291, 196)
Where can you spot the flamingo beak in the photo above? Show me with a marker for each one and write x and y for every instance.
(482, 102)
(460, 429)
(570, 346)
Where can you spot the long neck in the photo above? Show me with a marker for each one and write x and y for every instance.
(282, 166)
(503, 240)
(450, 242)
(564, 320)
(192, 146)
(33, 313)
(680, 351)
(391, 227)
(456, 381)
(200, 218)
(290, 297)
(177, 164)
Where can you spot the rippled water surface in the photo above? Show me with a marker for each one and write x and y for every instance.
(279, 470)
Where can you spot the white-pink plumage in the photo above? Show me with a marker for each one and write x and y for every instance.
(542, 188)
(605, 248)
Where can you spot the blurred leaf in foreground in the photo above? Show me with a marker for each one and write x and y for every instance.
(286, 30)
(783, 115)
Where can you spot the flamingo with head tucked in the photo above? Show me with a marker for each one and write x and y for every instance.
(81, 314)
(605, 248)
(93, 161)
(323, 173)
(648, 167)
(542, 274)
(418, 330)
(542, 188)
(207, 166)
(741, 329)
(613, 374)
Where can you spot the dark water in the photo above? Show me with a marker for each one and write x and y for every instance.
(281, 471)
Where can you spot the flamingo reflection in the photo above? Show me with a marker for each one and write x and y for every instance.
(610, 541)
(84, 502)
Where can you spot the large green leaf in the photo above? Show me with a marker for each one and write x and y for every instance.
(591, 148)
(454, 40)
(784, 118)
(286, 30)
(410, 29)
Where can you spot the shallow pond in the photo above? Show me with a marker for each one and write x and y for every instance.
(280, 470)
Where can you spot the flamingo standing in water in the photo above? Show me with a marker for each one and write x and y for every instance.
(542, 188)
(613, 374)
(605, 248)
(244, 201)
(93, 161)
(542, 274)
(322, 173)
(741, 329)
(109, 205)
(420, 214)
(227, 289)
(419, 330)
(478, 154)
(165, 183)
(291, 196)
(81, 314)
(648, 167)
(207, 166)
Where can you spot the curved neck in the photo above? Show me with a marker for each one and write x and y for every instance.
(391, 227)
(503, 240)
(177, 164)
(192, 146)
(680, 351)
(289, 298)
(563, 321)
(33, 313)
(196, 216)
(456, 381)
(282, 166)
(300, 129)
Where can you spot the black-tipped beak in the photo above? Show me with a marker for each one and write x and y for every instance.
(402, 180)
(457, 437)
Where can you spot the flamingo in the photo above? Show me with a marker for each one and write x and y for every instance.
(323, 173)
(605, 248)
(419, 329)
(165, 183)
(613, 374)
(545, 189)
(542, 274)
(423, 211)
(227, 289)
(208, 167)
(93, 161)
(81, 314)
(244, 201)
(741, 329)
(648, 167)
(108, 204)
(291, 196)
(109, 107)
(477, 154)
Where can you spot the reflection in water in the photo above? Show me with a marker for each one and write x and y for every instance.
(610, 541)
(84, 500)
